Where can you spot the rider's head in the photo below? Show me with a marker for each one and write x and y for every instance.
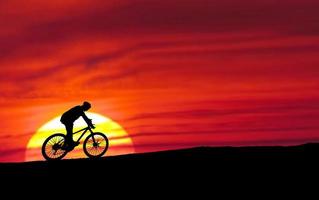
(86, 106)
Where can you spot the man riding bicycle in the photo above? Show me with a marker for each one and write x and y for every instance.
(70, 116)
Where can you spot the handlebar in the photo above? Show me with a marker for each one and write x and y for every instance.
(92, 123)
(93, 126)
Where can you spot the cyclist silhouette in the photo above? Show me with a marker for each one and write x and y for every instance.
(70, 116)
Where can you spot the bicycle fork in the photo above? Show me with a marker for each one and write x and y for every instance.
(92, 136)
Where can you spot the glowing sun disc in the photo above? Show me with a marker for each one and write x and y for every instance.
(119, 140)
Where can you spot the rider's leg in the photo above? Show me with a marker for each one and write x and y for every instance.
(69, 133)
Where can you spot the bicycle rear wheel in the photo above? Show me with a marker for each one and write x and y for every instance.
(52, 147)
(95, 145)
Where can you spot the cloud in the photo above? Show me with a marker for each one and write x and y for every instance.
(174, 64)
(136, 19)
(156, 146)
(12, 155)
(215, 109)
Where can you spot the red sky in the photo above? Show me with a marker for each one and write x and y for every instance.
(174, 74)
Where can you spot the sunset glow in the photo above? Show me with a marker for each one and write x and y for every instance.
(167, 74)
(119, 141)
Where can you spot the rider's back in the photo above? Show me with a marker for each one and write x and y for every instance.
(71, 115)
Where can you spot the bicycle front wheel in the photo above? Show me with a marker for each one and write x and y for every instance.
(52, 147)
(95, 145)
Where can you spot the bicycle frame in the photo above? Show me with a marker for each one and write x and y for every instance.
(84, 131)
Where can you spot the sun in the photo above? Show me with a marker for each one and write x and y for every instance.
(119, 140)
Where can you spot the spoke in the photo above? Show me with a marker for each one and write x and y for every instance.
(51, 142)
(50, 152)
(48, 149)
(94, 150)
(53, 152)
(58, 153)
(54, 139)
(97, 147)
(90, 151)
(101, 148)
(97, 152)
(57, 140)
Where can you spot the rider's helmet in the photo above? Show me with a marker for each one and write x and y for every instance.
(86, 105)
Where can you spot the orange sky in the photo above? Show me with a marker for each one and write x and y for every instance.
(174, 74)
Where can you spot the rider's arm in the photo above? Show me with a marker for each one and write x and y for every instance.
(87, 120)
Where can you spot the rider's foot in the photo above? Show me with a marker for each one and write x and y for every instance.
(69, 145)
(65, 147)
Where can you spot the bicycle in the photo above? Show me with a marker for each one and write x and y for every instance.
(94, 146)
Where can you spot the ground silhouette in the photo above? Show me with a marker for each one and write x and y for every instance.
(211, 163)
